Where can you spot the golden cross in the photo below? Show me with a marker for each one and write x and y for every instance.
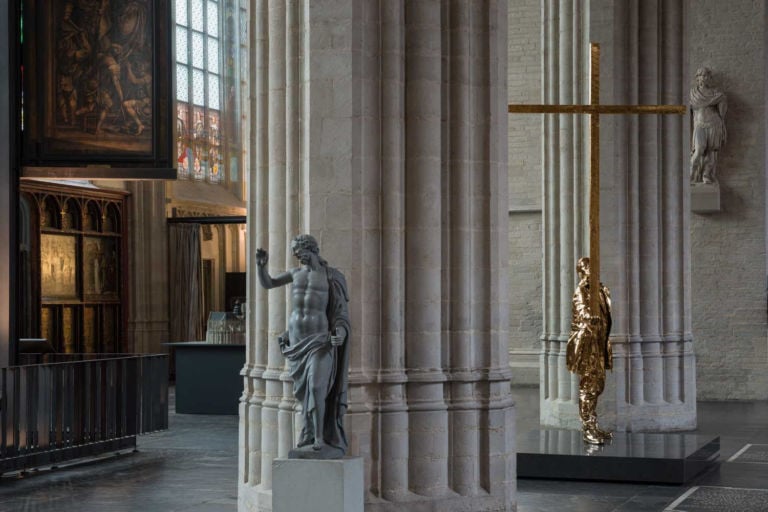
(594, 109)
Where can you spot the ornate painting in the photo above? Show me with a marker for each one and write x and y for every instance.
(58, 266)
(96, 83)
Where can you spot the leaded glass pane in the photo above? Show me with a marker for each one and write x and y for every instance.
(182, 48)
(213, 92)
(198, 52)
(198, 15)
(181, 12)
(213, 19)
(183, 151)
(213, 55)
(199, 144)
(243, 27)
(198, 87)
(214, 124)
(182, 83)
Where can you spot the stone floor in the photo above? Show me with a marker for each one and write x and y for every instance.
(735, 486)
(192, 467)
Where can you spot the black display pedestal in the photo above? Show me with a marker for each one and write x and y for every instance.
(669, 458)
(208, 379)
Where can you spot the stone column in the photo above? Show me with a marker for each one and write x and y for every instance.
(148, 267)
(393, 154)
(566, 181)
(647, 222)
(645, 245)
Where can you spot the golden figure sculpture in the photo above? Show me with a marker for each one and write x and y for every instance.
(589, 351)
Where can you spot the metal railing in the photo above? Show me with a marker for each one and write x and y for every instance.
(78, 405)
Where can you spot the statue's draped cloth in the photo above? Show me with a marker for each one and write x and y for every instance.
(300, 358)
(709, 120)
(589, 348)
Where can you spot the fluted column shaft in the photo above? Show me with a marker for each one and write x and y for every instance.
(644, 225)
(565, 182)
(653, 349)
(399, 135)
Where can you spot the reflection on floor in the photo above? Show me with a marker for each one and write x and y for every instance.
(193, 467)
(720, 490)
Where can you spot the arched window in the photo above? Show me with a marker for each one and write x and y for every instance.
(210, 40)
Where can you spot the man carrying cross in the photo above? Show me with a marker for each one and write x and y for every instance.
(588, 350)
(588, 353)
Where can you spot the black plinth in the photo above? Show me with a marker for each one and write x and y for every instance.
(208, 377)
(670, 458)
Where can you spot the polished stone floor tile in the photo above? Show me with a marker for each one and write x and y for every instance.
(193, 468)
(190, 467)
(737, 424)
(721, 499)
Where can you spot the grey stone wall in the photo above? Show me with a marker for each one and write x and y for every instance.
(729, 247)
(525, 221)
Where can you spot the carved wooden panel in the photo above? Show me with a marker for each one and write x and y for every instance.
(79, 250)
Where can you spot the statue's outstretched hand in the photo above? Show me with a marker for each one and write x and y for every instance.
(261, 257)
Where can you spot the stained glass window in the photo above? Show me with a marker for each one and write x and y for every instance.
(210, 49)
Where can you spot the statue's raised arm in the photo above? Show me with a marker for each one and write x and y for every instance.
(265, 279)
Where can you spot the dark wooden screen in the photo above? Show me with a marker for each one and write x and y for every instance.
(77, 258)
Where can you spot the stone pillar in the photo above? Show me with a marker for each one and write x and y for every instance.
(566, 182)
(148, 267)
(647, 222)
(645, 245)
(380, 128)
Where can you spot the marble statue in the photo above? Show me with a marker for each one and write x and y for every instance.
(708, 105)
(588, 352)
(316, 346)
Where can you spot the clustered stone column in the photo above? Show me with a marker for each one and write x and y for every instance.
(566, 203)
(645, 245)
(148, 320)
(380, 128)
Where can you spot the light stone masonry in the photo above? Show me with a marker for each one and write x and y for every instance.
(525, 190)
(380, 128)
(645, 246)
(729, 247)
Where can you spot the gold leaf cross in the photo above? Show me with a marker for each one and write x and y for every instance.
(594, 109)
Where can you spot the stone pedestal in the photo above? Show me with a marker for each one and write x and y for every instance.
(705, 197)
(300, 485)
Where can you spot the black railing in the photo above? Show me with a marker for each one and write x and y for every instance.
(79, 405)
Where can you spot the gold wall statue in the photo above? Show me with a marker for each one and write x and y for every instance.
(589, 351)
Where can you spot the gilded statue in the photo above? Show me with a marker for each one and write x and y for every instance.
(709, 106)
(316, 346)
(589, 351)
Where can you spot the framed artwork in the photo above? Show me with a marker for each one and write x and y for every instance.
(101, 264)
(58, 266)
(97, 85)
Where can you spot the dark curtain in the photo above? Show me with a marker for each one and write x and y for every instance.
(186, 293)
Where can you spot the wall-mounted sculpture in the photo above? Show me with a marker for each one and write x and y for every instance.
(708, 105)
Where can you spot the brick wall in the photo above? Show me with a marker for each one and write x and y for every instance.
(729, 248)
(525, 221)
